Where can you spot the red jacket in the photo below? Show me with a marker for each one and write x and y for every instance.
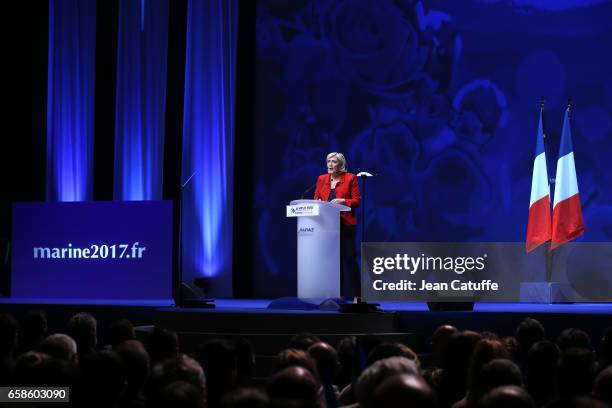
(347, 188)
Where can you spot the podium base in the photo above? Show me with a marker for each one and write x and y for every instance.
(295, 303)
(360, 307)
(546, 292)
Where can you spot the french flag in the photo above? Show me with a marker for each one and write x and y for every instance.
(538, 225)
(567, 214)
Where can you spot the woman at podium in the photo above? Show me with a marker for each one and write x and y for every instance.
(341, 187)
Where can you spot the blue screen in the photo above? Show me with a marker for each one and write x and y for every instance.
(440, 99)
(92, 250)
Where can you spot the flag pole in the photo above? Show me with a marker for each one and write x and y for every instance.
(547, 253)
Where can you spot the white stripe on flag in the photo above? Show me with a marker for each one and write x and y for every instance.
(539, 181)
(566, 184)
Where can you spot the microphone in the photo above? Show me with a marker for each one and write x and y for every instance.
(309, 189)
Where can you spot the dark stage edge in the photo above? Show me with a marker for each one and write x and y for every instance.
(251, 316)
(412, 322)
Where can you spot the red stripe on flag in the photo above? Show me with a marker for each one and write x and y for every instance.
(538, 225)
(567, 221)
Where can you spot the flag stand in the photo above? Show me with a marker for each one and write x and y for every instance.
(546, 291)
(559, 292)
(548, 261)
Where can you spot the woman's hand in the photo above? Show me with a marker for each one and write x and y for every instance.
(339, 201)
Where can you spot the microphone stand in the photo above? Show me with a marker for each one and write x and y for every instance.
(361, 306)
(181, 302)
(179, 259)
(364, 177)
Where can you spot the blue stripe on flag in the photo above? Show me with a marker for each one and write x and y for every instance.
(566, 137)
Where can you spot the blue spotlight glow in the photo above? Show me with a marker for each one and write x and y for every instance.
(208, 142)
(70, 99)
(141, 99)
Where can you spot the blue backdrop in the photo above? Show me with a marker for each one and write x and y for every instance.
(440, 100)
(70, 99)
(208, 143)
(142, 55)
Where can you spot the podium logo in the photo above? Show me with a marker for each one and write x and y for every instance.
(302, 208)
(306, 229)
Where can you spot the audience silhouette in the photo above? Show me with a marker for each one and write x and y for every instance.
(460, 368)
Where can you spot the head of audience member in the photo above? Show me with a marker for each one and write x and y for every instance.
(403, 390)
(294, 357)
(29, 368)
(489, 335)
(528, 332)
(496, 373)
(574, 338)
(137, 365)
(83, 328)
(8, 335)
(485, 351)
(459, 351)
(348, 365)
(326, 360)
(439, 341)
(103, 376)
(245, 398)
(302, 341)
(603, 386)
(604, 349)
(457, 357)
(35, 369)
(375, 374)
(162, 344)
(541, 361)
(120, 331)
(180, 368)
(32, 330)
(218, 358)
(577, 402)
(386, 350)
(60, 346)
(245, 362)
(179, 394)
(576, 372)
(294, 386)
(513, 347)
(507, 396)
(539, 370)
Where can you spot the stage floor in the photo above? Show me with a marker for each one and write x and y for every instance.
(579, 308)
(260, 305)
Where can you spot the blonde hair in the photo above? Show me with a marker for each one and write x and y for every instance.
(341, 159)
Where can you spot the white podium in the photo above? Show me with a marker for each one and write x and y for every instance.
(318, 247)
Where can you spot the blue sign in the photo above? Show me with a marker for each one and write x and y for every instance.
(103, 250)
